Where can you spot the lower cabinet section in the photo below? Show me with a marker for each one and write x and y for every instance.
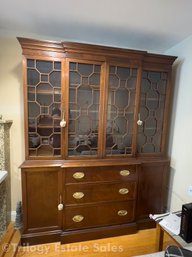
(69, 204)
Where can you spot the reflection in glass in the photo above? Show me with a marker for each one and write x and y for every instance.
(44, 107)
(153, 90)
(84, 95)
(120, 112)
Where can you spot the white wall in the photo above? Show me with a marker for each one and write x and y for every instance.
(180, 146)
(11, 106)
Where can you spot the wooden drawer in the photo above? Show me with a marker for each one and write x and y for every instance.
(93, 174)
(78, 217)
(85, 193)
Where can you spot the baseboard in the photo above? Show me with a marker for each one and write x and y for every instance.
(13, 215)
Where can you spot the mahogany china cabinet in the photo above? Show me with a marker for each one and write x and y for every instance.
(96, 132)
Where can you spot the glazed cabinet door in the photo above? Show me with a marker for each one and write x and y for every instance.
(43, 107)
(42, 193)
(84, 108)
(121, 109)
(153, 112)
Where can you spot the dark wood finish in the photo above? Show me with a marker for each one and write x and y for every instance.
(100, 185)
(99, 232)
(99, 193)
(137, 105)
(41, 195)
(99, 215)
(152, 188)
(40, 237)
(101, 174)
(48, 181)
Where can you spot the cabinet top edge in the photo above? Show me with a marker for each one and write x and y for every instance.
(89, 163)
(41, 163)
(76, 47)
(77, 163)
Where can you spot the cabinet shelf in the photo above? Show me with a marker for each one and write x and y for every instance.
(48, 126)
(43, 92)
(44, 126)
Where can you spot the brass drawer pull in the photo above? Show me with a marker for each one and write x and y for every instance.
(123, 191)
(122, 213)
(79, 175)
(78, 218)
(78, 195)
(124, 173)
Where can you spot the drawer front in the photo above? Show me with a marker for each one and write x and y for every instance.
(99, 215)
(85, 193)
(93, 174)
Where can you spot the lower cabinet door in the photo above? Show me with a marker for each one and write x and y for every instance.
(42, 191)
(152, 189)
(100, 214)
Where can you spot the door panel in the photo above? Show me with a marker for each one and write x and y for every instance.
(84, 108)
(41, 194)
(120, 110)
(152, 111)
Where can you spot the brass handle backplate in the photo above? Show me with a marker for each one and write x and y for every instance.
(78, 218)
(122, 213)
(124, 173)
(79, 175)
(123, 191)
(78, 195)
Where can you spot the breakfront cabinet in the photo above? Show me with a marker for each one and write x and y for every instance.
(96, 130)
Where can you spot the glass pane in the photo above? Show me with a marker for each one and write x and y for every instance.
(30, 63)
(153, 90)
(120, 112)
(33, 77)
(44, 78)
(84, 94)
(55, 78)
(44, 107)
(44, 66)
(57, 66)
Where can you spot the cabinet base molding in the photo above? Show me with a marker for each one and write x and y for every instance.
(96, 233)
(40, 238)
(66, 237)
